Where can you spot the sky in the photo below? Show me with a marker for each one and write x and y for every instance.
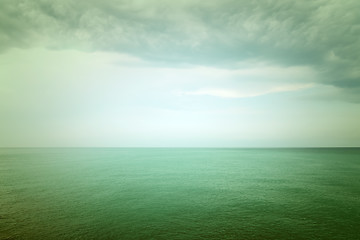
(161, 73)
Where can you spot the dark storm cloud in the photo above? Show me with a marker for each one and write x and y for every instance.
(321, 34)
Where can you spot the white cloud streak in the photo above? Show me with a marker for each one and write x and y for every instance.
(247, 93)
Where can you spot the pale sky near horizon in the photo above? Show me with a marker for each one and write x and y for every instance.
(156, 73)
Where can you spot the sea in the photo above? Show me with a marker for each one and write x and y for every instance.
(179, 193)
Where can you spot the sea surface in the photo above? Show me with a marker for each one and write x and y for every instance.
(179, 193)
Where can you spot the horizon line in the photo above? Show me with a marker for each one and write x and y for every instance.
(163, 147)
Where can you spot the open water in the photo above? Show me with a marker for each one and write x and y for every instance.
(119, 193)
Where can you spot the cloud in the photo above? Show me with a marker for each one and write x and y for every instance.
(230, 93)
(320, 34)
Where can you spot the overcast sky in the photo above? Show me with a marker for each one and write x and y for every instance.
(153, 73)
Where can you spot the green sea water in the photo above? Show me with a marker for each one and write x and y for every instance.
(119, 193)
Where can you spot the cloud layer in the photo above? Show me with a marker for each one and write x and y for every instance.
(229, 93)
(320, 34)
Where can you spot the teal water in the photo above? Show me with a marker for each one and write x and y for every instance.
(109, 193)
